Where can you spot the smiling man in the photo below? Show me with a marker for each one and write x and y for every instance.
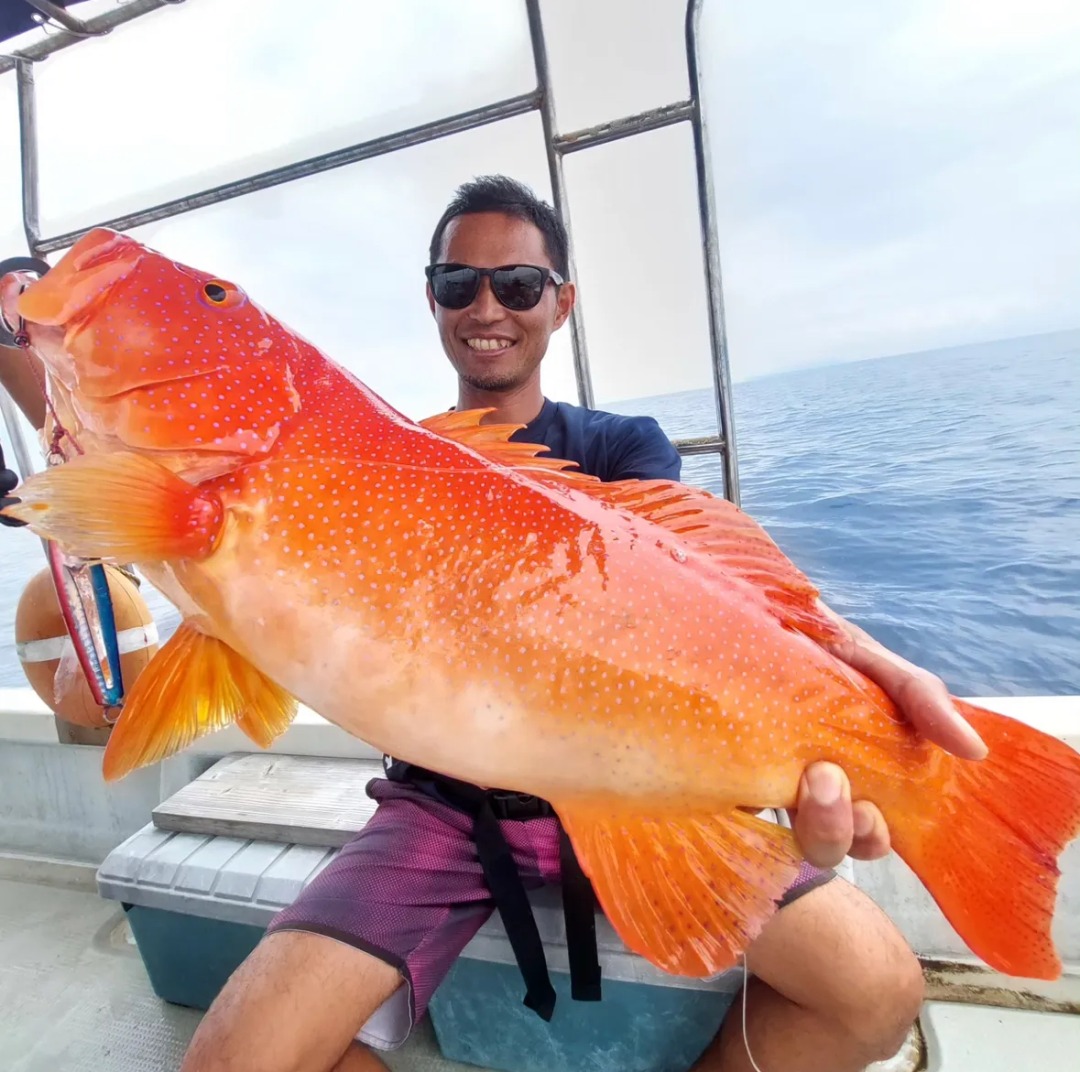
(358, 955)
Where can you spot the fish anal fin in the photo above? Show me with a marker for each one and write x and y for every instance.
(196, 684)
(123, 506)
(688, 892)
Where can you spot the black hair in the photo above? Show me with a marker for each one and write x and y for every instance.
(497, 193)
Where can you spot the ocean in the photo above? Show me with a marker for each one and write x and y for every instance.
(933, 497)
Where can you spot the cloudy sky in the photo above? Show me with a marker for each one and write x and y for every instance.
(889, 177)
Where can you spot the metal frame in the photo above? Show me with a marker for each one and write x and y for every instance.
(557, 145)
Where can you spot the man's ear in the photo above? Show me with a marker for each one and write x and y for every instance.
(564, 303)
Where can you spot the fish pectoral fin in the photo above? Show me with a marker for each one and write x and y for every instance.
(122, 507)
(194, 685)
(688, 892)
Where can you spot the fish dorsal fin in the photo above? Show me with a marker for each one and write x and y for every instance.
(709, 525)
(704, 523)
(493, 441)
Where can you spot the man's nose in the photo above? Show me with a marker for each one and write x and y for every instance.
(486, 308)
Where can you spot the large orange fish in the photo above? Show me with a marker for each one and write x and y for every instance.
(640, 654)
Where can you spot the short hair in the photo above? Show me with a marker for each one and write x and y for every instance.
(497, 193)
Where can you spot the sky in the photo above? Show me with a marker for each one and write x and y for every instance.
(888, 177)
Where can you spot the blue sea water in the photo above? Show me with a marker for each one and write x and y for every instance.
(933, 497)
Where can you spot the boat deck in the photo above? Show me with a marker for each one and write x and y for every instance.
(74, 998)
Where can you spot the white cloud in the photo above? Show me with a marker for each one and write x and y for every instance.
(888, 177)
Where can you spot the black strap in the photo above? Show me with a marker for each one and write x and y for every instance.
(488, 808)
(510, 897)
(579, 911)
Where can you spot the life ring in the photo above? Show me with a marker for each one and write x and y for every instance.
(42, 642)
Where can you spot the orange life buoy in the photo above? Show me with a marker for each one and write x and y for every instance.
(42, 641)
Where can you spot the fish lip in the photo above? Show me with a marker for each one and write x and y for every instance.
(75, 285)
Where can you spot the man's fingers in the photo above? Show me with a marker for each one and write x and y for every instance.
(926, 705)
(871, 841)
(823, 820)
(921, 697)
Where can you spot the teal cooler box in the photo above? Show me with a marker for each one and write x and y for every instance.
(648, 1021)
(197, 905)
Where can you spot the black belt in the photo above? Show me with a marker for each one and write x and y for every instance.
(488, 808)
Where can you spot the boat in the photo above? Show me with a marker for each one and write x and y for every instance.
(68, 939)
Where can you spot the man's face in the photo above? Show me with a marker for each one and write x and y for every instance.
(493, 348)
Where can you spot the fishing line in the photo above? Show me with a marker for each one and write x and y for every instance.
(745, 1037)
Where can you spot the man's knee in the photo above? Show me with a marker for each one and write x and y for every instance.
(888, 996)
(836, 952)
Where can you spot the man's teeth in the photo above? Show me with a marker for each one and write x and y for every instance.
(488, 344)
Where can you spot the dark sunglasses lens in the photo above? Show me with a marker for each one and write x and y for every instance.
(455, 287)
(519, 287)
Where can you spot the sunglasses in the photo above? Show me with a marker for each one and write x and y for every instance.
(517, 286)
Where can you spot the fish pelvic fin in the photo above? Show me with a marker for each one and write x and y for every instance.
(987, 847)
(123, 507)
(194, 685)
(688, 892)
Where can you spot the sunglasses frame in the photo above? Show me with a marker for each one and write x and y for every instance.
(546, 275)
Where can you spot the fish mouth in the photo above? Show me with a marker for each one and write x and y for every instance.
(97, 261)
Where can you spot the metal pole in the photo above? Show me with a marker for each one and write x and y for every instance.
(95, 27)
(418, 135)
(558, 189)
(613, 130)
(15, 435)
(28, 149)
(711, 252)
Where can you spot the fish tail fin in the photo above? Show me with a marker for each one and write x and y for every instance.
(987, 849)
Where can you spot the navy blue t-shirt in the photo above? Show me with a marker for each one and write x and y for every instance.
(606, 445)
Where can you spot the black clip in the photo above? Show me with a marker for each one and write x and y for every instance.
(9, 337)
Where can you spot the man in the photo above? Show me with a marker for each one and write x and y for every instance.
(366, 944)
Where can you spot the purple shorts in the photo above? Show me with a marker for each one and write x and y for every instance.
(409, 889)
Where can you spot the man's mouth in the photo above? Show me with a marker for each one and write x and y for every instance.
(488, 345)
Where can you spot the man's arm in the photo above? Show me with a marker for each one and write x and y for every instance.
(20, 377)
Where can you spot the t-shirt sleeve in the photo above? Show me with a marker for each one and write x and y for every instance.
(644, 453)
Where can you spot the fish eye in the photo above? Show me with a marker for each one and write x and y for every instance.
(221, 295)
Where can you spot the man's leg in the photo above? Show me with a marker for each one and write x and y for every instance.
(294, 1005)
(360, 951)
(835, 988)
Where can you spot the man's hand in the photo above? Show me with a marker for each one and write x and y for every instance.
(827, 824)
